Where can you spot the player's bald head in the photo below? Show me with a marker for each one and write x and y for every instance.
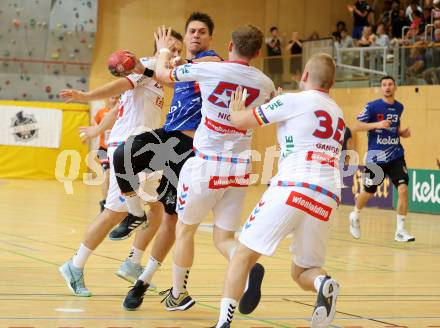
(320, 71)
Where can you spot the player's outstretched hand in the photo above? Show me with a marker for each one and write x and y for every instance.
(71, 95)
(162, 37)
(385, 124)
(87, 132)
(238, 99)
(406, 133)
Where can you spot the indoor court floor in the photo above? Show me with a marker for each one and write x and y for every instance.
(383, 283)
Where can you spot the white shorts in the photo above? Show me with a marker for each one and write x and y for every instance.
(283, 210)
(115, 201)
(206, 185)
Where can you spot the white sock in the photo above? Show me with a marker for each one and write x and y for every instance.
(135, 255)
(180, 279)
(227, 308)
(80, 258)
(318, 281)
(152, 266)
(134, 205)
(400, 222)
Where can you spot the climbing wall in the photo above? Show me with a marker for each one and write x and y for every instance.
(45, 46)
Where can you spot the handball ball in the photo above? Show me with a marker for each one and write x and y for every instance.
(119, 63)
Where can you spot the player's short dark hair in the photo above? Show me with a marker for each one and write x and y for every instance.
(388, 77)
(175, 35)
(247, 40)
(273, 28)
(201, 17)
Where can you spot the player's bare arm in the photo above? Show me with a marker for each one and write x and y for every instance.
(89, 132)
(405, 133)
(363, 127)
(110, 89)
(162, 37)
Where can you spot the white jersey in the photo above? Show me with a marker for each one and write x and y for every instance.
(140, 107)
(215, 135)
(310, 133)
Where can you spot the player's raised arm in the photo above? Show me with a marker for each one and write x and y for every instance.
(163, 72)
(110, 89)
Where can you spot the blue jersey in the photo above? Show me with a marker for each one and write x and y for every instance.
(383, 144)
(185, 107)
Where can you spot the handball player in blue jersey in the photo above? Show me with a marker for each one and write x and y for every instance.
(381, 119)
(166, 150)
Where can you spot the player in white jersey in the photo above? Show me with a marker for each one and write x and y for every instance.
(140, 106)
(217, 177)
(302, 196)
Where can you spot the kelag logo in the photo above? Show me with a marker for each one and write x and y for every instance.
(424, 191)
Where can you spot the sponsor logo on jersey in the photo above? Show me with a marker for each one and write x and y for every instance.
(222, 94)
(289, 146)
(222, 128)
(275, 105)
(217, 182)
(387, 141)
(224, 116)
(322, 158)
(309, 205)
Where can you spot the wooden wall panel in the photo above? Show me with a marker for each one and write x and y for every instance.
(130, 24)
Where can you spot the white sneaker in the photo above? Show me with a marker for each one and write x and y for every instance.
(355, 225)
(403, 236)
(325, 307)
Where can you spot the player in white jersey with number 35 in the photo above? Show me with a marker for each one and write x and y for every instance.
(217, 177)
(302, 196)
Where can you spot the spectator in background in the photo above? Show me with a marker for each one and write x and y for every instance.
(428, 4)
(382, 39)
(412, 8)
(426, 16)
(337, 34)
(385, 16)
(415, 65)
(432, 55)
(416, 22)
(346, 40)
(314, 36)
(436, 11)
(295, 49)
(398, 24)
(367, 38)
(274, 65)
(360, 10)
